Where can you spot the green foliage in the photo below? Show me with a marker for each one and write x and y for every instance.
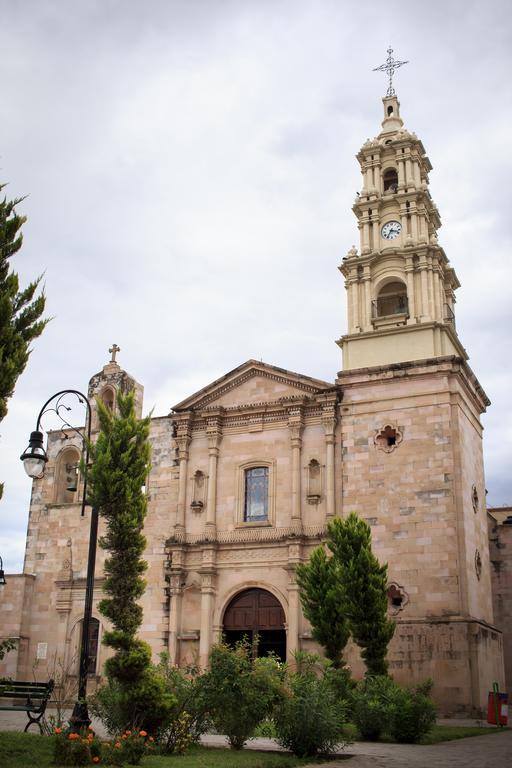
(381, 706)
(415, 713)
(189, 715)
(7, 645)
(364, 583)
(120, 464)
(20, 310)
(321, 595)
(309, 719)
(373, 706)
(240, 691)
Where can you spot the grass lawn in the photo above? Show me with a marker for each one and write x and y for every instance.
(23, 750)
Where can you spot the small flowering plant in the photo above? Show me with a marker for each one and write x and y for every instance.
(129, 748)
(76, 749)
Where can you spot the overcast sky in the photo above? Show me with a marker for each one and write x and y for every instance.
(190, 172)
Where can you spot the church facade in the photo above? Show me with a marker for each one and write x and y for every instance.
(247, 472)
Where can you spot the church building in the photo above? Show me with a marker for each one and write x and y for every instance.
(247, 473)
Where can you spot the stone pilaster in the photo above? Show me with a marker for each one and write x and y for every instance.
(329, 424)
(183, 439)
(296, 427)
(214, 435)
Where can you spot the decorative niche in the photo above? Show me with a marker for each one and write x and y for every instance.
(314, 486)
(198, 488)
(387, 438)
(397, 597)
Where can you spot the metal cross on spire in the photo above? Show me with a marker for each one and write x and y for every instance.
(389, 67)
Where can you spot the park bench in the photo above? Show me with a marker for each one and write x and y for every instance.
(31, 698)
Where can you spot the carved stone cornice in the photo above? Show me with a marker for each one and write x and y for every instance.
(253, 535)
(214, 422)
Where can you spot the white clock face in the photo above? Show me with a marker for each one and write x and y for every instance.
(391, 230)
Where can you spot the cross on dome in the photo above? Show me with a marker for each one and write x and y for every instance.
(113, 351)
(389, 67)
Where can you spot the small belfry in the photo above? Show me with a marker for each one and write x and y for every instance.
(400, 285)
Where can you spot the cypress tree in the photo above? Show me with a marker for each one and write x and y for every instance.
(321, 596)
(120, 465)
(364, 582)
(20, 312)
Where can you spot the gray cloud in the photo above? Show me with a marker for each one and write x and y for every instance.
(190, 169)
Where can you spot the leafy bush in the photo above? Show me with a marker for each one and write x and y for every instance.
(414, 713)
(373, 706)
(76, 749)
(147, 704)
(240, 691)
(309, 719)
(189, 715)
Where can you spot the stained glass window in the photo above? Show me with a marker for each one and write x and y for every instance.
(256, 494)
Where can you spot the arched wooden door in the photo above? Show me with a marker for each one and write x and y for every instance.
(256, 612)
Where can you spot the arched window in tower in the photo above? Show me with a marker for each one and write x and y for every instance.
(67, 476)
(392, 300)
(108, 398)
(390, 179)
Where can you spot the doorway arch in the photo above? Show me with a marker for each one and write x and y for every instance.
(256, 612)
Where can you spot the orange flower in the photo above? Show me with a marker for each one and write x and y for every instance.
(124, 736)
(151, 738)
(95, 759)
(117, 745)
(57, 730)
(142, 733)
(128, 733)
(74, 736)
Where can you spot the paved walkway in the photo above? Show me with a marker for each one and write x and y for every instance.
(493, 751)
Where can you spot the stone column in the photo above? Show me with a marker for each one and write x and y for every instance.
(292, 632)
(401, 174)
(409, 276)
(176, 598)
(183, 439)
(296, 426)
(329, 423)
(430, 280)
(207, 572)
(366, 313)
(352, 301)
(214, 435)
(424, 290)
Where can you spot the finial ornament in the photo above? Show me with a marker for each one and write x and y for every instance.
(114, 349)
(389, 67)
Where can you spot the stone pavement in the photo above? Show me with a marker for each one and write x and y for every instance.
(493, 751)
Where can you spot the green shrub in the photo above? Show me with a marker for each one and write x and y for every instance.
(189, 715)
(76, 749)
(146, 705)
(240, 692)
(414, 713)
(373, 706)
(309, 719)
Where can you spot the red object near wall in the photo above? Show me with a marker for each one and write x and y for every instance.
(502, 708)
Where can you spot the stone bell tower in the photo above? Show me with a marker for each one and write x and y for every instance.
(411, 436)
(400, 284)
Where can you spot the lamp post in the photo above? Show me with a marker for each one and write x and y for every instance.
(34, 459)
(2, 574)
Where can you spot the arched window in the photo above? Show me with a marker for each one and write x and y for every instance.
(94, 635)
(67, 476)
(256, 494)
(108, 398)
(390, 179)
(392, 299)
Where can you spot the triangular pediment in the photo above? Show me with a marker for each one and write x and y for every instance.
(253, 383)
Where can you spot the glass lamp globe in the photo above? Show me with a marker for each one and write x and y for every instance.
(34, 457)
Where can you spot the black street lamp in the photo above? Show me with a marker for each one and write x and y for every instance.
(2, 574)
(34, 459)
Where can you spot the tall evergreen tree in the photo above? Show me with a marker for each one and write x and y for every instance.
(321, 595)
(20, 312)
(119, 468)
(364, 582)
